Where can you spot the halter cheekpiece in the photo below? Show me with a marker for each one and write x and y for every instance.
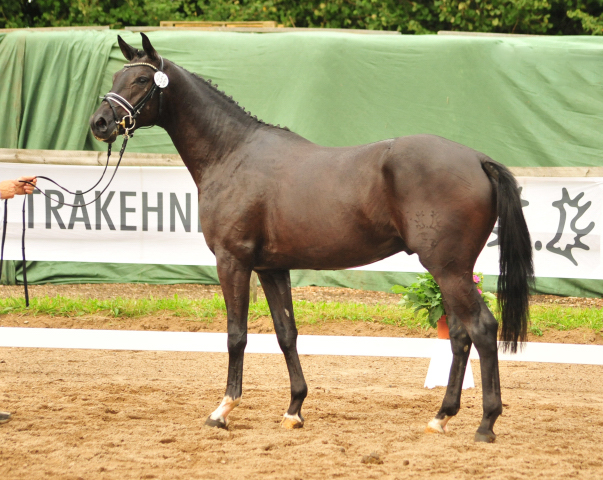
(128, 122)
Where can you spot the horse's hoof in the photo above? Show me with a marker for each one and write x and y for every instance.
(216, 423)
(5, 417)
(429, 429)
(488, 437)
(437, 426)
(292, 421)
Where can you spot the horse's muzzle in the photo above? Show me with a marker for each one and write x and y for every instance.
(103, 127)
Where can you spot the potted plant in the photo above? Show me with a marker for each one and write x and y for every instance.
(425, 294)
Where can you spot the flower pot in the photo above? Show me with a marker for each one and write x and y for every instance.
(443, 331)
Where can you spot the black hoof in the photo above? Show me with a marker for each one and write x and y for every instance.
(210, 422)
(488, 437)
(5, 417)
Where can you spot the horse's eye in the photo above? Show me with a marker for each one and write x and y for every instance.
(142, 80)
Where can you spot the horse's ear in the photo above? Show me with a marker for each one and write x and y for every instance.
(128, 50)
(148, 48)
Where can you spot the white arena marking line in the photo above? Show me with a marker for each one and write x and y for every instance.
(267, 343)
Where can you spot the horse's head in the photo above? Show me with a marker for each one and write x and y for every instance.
(134, 100)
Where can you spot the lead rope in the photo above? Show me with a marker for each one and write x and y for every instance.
(92, 187)
(23, 256)
(121, 153)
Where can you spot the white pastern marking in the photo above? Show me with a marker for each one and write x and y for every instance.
(227, 406)
(295, 417)
(439, 425)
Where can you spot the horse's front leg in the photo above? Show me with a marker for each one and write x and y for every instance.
(234, 279)
(277, 287)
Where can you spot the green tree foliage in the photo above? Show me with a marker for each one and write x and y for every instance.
(569, 17)
(590, 23)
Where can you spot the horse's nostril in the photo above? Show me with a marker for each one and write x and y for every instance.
(101, 124)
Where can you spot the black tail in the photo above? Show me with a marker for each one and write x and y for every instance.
(516, 265)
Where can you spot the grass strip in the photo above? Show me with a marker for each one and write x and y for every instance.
(117, 307)
(542, 316)
(565, 318)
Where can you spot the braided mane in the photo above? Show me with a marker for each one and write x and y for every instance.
(232, 101)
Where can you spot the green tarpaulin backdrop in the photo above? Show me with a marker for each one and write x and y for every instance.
(525, 101)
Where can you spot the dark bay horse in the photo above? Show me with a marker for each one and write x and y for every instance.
(271, 201)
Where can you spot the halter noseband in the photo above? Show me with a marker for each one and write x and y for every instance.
(128, 122)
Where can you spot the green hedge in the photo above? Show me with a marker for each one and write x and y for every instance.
(552, 17)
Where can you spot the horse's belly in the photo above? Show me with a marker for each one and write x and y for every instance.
(333, 255)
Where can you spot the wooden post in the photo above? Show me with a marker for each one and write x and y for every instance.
(253, 287)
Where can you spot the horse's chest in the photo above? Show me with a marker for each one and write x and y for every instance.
(222, 221)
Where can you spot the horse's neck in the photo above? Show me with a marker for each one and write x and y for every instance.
(205, 126)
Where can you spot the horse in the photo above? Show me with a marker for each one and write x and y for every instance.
(271, 201)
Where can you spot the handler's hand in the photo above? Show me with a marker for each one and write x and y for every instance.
(8, 189)
(23, 188)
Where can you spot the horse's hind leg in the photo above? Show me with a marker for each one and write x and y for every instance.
(484, 334)
(466, 306)
(234, 279)
(461, 347)
(277, 287)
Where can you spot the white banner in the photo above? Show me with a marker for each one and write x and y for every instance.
(150, 215)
